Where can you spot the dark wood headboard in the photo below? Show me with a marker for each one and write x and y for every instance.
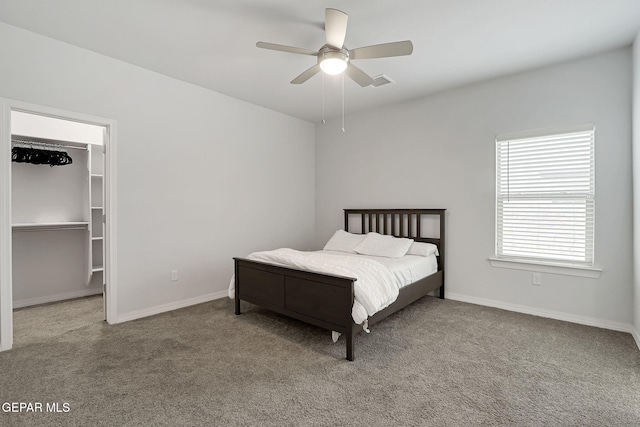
(400, 223)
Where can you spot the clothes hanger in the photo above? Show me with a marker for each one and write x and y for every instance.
(40, 157)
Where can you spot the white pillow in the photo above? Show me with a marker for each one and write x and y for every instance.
(387, 246)
(343, 241)
(423, 249)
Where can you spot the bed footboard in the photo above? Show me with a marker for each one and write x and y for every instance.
(319, 299)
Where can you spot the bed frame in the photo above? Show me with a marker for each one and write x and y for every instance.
(326, 300)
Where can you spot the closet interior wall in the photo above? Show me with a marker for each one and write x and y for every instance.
(63, 260)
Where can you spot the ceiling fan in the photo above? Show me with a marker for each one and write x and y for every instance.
(334, 57)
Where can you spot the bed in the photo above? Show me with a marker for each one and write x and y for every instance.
(326, 299)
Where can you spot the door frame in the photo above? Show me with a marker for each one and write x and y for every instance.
(110, 188)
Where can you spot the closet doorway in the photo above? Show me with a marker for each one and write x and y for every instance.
(57, 204)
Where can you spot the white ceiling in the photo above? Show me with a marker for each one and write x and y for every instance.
(211, 43)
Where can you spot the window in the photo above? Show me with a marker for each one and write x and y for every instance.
(545, 200)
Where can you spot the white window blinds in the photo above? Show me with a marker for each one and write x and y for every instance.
(545, 196)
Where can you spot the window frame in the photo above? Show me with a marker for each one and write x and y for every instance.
(567, 267)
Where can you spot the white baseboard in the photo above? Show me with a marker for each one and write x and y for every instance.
(582, 320)
(170, 306)
(57, 297)
(636, 336)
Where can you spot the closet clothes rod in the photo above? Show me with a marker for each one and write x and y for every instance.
(28, 142)
(49, 145)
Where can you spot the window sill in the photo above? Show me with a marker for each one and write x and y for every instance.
(546, 267)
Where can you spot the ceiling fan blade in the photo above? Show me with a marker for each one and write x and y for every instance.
(384, 50)
(358, 76)
(306, 75)
(335, 27)
(283, 48)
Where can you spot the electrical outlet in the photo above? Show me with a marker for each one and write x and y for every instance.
(174, 275)
(536, 279)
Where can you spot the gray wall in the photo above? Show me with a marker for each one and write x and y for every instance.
(201, 177)
(439, 151)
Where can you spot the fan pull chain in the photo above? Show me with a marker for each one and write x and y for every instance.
(323, 121)
(342, 102)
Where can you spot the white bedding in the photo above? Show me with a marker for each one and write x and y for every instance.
(406, 269)
(378, 278)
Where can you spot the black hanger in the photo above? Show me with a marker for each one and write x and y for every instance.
(40, 157)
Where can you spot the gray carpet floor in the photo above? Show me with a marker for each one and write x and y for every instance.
(436, 363)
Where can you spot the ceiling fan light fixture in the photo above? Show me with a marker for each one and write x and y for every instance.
(334, 62)
(334, 58)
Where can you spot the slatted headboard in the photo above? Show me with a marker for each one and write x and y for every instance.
(400, 223)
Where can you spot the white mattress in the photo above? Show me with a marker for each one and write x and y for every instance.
(408, 269)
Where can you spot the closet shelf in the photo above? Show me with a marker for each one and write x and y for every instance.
(38, 226)
(97, 238)
(97, 207)
(97, 269)
(96, 175)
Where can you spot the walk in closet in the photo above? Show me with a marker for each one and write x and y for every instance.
(57, 206)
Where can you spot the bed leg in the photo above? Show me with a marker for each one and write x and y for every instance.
(441, 292)
(236, 296)
(349, 336)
